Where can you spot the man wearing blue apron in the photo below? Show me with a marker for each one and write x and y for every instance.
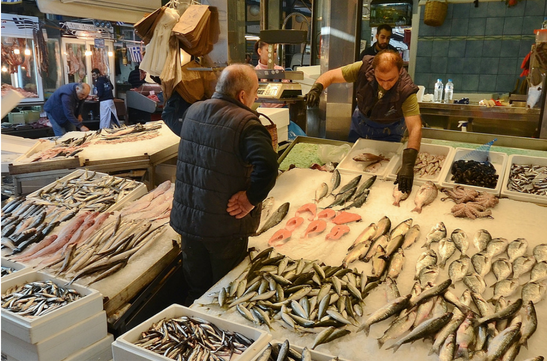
(386, 105)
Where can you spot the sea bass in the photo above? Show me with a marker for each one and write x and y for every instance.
(426, 195)
(276, 218)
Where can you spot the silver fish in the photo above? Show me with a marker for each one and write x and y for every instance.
(431, 292)
(411, 236)
(512, 352)
(505, 288)
(394, 244)
(396, 264)
(426, 328)
(383, 226)
(497, 246)
(460, 240)
(539, 272)
(449, 329)
(465, 336)
(482, 263)
(481, 239)
(275, 218)
(335, 180)
(533, 291)
(459, 268)
(540, 252)
(381, 241)
(517, 248)
(356, 253)
(321, 192)
(425, 195)
(379, 262)
(424, 310)
(385, 312)
(436, 233)
(522, 265)
(392, 291)
(427, 258)
(401, 229)
(398, 327)
(475, 283)
(502, 314)
(502, 342)
(446, 250)
(502, 268)
(428, 274)
(351, 184)
(529, 323)
(267, 205)
(399, 196)
(366, 236)
(448, 348)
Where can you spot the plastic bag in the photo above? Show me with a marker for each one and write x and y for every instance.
(333, 153)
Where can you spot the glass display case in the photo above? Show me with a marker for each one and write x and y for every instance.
(20, 70)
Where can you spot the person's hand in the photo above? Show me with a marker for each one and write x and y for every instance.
(405, 177)
(80, 119)
(83, 128)
(239, 205)
(313, 96)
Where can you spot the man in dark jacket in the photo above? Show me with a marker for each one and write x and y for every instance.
(383, 36)
(104, 87)
(386, 105)
(64, 108)
(226, 167)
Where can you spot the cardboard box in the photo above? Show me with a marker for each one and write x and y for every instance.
(35, 330)
(57, 346)
(522, 160)
(433, 149)
(498, 160)
(124, 348)
(387, 149)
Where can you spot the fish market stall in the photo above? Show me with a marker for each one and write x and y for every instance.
(314, 237)
(133, 147)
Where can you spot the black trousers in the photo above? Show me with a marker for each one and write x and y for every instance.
(204, 264)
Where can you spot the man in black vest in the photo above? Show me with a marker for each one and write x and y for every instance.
(226, 167)
(386, 105)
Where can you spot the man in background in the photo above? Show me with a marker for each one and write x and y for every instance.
(104, 87)
(383, 36)
(226, 167)
(136, 77)
(64, 108)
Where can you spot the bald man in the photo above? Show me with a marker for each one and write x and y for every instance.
(226, 167)
(386, 105)
(64, 108)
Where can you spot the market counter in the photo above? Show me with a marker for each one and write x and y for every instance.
(516, 121)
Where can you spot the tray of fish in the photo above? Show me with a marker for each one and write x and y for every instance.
(497, 163)
(89, 190)
(304, 152)
(371, 157)
(525, 179)
(11, 269)
(51, 317)
(431, 161)
(284, 351)
(220, 334)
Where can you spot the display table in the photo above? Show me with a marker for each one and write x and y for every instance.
(511, 220)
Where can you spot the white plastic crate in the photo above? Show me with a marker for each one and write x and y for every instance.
(57, 346)
(433, 149)
(124, 349)
(522, 160)
(20, 268)
(498, 160)
(99, 351)
(139, 190)
(34, 330)
(387, 149)
(315, 355)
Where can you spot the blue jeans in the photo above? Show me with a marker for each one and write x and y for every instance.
(60, 129)
(362, 127)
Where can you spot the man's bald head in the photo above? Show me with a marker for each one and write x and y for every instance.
(82, 90)
(385, 60)
(238, 78)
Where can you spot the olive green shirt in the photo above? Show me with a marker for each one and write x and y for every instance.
(410, 105)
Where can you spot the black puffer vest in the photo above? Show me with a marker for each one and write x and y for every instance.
(388, 109)
(210, 170)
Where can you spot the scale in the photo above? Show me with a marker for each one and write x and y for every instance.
(279, 90)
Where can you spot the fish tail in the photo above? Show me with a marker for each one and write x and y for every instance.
(396, 204)
(442, 264)
(417, 209)
(380, 342)
(395, 347)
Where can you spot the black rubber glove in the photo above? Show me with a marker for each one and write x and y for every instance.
(312, 98)
(405, 177)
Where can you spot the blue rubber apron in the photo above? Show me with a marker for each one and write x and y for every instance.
(362, 127)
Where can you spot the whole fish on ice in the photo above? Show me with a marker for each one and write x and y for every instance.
(275, 218)
(426, 195)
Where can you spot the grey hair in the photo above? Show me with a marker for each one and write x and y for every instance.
(235, 78)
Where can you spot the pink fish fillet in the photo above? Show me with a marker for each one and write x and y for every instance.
(308, 207)
(145, 200)
(326, 214)
(280, 237)
(314, 228)
(28, 253)
(294, 223)
(346, 217)
(337, 232)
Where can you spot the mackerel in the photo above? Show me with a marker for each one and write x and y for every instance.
(502, 342)
(385, 312)
(426, 328)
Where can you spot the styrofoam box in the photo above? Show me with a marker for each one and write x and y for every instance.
(136, 193)
(386, 149)
(99, 351)
(34, 330)
(434, 149)
(58, 346)
(315, 355)
(124, 349)
(522, 160)
(282, 134)
(498, 160)
(20, 268)
(280, 116)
